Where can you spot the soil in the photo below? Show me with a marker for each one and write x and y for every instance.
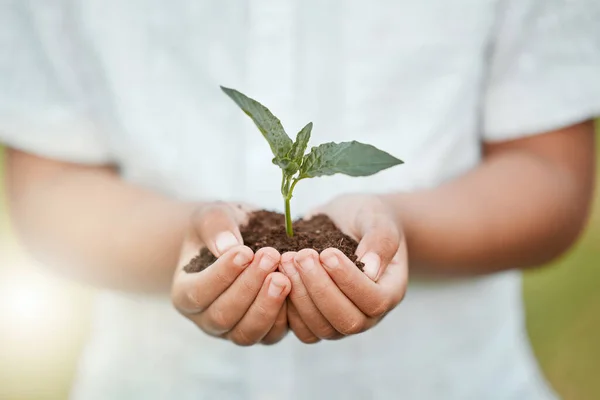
(267, 229)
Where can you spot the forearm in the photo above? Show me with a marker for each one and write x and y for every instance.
(91, 225)
(516, 210)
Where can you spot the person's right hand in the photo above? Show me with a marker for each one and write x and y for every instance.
(240, 297)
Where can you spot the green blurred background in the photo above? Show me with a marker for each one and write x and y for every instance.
(44, 320)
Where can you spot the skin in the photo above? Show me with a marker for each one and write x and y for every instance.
(240, 297)
(524, 205)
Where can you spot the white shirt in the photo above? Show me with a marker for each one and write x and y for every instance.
(137, 83)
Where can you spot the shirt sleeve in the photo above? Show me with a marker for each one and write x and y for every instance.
(544, 68)
(46, 100)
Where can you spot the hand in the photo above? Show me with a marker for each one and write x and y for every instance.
(330, 297)
(239, 297)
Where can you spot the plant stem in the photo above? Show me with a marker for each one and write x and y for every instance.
(291, 190)
(283, 181)
(287, 196)
(288, 218)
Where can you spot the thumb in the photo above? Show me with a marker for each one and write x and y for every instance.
(378, 246)
(217, 227)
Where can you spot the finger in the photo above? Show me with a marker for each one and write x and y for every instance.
(217, 226)
(279, 328)
(341, 313)
(308, 311)
(313, 213)
(373, 299)
(244, 208)
(379, 243)
(262, 314)
(190, 249)
(192, 293)
(394, 281)
(297, 325)
(229, 308)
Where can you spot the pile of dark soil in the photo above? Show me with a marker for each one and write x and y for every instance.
(267, 229)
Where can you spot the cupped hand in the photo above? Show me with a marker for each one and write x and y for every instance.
(330, 297)
(240, 297)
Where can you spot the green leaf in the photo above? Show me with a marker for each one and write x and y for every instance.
(288, 166)
(267, 123)
(348, 158)
(298, 149)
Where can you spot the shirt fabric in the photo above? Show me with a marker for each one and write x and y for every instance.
(136, 83)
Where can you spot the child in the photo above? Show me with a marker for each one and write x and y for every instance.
(124, 158)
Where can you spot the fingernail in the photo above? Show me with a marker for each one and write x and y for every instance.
(242, 259)
(288, 268)
(372, 264)
(331, 262)
(266, 263)
(225, 241)
(307, 263)
(277, 286)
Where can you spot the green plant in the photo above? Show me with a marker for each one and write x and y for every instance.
(349, 158)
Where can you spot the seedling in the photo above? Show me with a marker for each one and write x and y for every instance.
(348, 158)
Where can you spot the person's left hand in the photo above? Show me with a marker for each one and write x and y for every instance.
(330, 297)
